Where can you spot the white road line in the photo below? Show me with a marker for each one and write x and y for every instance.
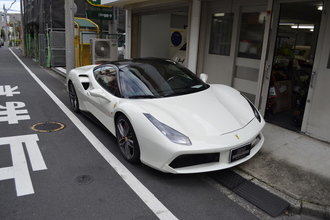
(36, 159)
(146, 196)
(20, 171)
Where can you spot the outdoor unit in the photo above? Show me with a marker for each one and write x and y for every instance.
(103, 50)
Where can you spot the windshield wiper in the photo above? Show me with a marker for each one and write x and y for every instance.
(186, 91)
(142, 97)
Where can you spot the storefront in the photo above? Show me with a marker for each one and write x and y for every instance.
(272, 52)
(275, 52)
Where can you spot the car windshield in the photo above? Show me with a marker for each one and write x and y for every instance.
(158, 79)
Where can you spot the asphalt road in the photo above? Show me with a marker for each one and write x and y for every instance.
(77, 172)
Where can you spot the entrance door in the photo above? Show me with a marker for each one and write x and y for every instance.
(249, 52)
(317, 116)
(233, 51)
(292, 63)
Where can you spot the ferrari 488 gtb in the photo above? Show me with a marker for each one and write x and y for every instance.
(166, 117)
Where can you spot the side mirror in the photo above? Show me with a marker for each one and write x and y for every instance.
(204, 77)
(99, 93)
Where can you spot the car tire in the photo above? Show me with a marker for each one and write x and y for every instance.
(127, 141)
(73, 98)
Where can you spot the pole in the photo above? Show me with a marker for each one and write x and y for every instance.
(128, 35)
(14, 32)
(194, 28)
(69, 35)
(6, 27)
(22, 28)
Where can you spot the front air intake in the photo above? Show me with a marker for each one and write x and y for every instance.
(187, 160)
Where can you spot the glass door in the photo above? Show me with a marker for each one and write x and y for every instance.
(247, 61)
(234, 45)
(292, 64)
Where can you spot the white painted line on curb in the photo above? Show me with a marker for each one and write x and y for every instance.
(146, 196)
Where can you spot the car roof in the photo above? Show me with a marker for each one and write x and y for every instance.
(126, 62)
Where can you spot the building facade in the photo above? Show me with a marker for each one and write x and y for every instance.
(44, 29)
(276, 52)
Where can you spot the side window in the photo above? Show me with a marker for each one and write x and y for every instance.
(106, 76)
(252, 35)
(221, 33)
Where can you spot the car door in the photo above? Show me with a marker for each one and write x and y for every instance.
(103, 97)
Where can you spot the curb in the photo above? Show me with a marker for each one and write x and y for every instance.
(297, 206)
(59, 70)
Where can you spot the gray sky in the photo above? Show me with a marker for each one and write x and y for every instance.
(15, 7)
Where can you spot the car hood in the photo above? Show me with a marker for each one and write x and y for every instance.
(212, 112)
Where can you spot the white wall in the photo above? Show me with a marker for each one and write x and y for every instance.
(155, 35)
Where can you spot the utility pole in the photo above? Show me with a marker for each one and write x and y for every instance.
(22, 28)
(14, 32)
(6, 27)
(113, 24)
(69, 35)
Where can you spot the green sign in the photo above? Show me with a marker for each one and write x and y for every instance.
(97, 3)
(100, 15)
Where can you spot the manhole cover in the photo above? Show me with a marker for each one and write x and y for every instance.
(84, 179)
(47, 126)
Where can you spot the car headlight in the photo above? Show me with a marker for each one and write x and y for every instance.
(254, 109)
(256, 112)
(170, 133)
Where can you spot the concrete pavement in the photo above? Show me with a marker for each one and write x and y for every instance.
(295, 167)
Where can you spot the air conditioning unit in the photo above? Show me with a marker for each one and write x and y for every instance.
(103, 50)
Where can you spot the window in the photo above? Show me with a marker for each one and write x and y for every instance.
(158, 79)
(251, 35)
(221, 33)
(106, 76)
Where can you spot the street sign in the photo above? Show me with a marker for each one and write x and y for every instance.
(100, 15)
(97, 3)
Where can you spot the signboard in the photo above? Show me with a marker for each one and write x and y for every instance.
(97, 3)
(176, 38)
(100, 15)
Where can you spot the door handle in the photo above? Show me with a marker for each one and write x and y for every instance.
(266, 70)
(312, 79)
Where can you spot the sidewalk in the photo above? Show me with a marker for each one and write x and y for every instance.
(296, 168)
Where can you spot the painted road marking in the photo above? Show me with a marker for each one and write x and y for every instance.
(146, 196)
(8, 90)
(20, 171)
(12, 114)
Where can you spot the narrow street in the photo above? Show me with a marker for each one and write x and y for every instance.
(58, 165)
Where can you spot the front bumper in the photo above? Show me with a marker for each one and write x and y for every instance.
(206, 162)
(211, 154)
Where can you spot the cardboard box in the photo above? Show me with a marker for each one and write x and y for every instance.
(282, 95)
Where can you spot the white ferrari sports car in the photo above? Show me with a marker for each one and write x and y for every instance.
(166, 117)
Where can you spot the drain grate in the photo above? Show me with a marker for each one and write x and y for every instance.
(84, 179)
(47, 126)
